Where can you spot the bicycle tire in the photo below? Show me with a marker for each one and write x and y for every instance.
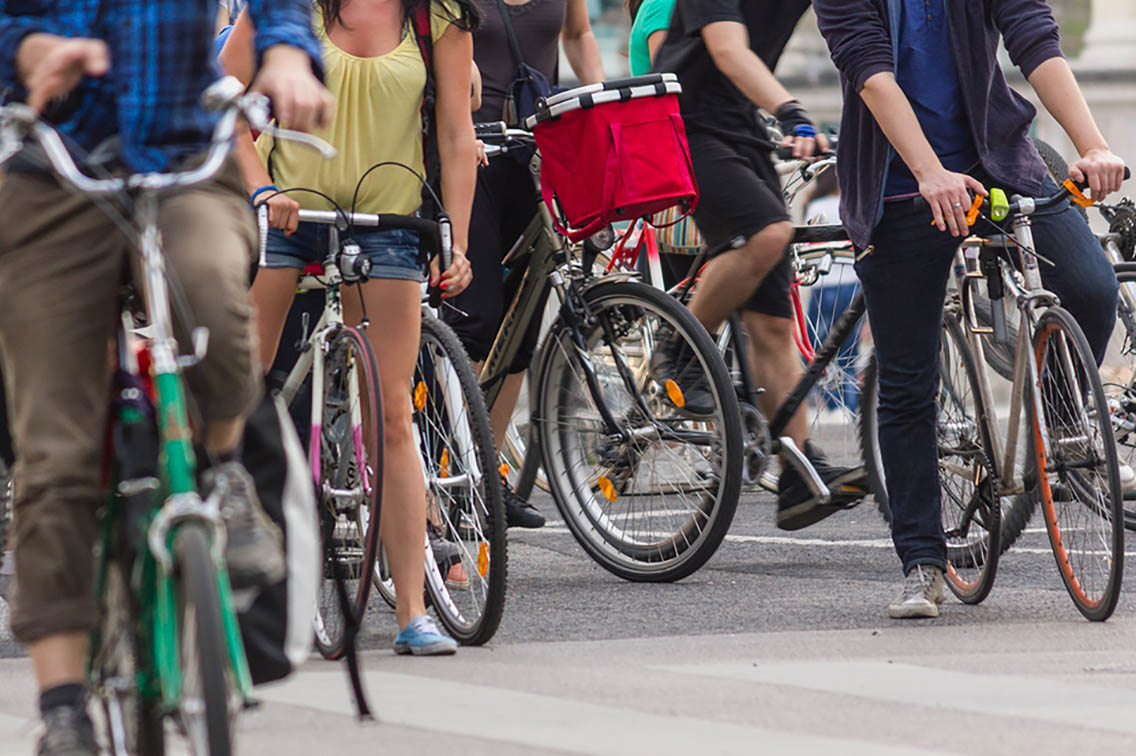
(669, 556)
(1118, 375)
(349, 354)
(972, 563)
(1097, 609)
(480, 508)
(203, 652)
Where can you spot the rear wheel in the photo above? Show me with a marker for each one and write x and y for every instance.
(1118, 376)
(651, 499)
(350, 486)
(203, 706)
(1076, 457)
(467, 563)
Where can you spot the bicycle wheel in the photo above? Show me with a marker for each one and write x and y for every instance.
(350, 478)
(467, 563)
(1118, 376)
(970, 509)
(203, 705)
(1076, 459)
(133, 724)
(653, 500)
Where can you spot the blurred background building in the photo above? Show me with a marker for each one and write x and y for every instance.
(1098, 36)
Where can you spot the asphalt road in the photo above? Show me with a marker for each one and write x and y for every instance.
(780, 645)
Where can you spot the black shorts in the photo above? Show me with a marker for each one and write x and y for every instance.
(740, 196)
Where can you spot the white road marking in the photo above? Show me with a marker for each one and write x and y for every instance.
(999, 695)
(548, 722)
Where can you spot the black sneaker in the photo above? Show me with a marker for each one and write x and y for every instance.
(797, 507)
(67, 732)
(675, 361)
(518, 512)
(254, 547)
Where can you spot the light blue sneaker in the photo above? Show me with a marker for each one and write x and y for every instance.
(422, 637)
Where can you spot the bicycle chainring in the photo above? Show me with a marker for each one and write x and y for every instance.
(1121, 219)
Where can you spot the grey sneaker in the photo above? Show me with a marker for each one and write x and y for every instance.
(67, 732)
(922, 594)
(254, 549)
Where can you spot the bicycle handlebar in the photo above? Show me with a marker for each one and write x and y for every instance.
(1002, 208)
(18, 122)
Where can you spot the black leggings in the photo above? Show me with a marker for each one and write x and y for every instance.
(505, 202)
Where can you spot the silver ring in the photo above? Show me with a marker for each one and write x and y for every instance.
(957, 204)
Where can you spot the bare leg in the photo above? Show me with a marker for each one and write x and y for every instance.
(396, 315)
(732, 276)
(59, 659)
(501, 413)
(272, 295)
(776, 365)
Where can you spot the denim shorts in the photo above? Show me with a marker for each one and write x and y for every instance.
(393, 252)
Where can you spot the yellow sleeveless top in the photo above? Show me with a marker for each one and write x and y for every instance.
(377, 119)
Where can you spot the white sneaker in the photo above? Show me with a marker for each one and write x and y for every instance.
(921, 596)
(1127, 478)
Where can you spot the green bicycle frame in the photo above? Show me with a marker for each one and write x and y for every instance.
(175, 500)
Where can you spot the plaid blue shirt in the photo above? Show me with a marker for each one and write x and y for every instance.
(161, 62)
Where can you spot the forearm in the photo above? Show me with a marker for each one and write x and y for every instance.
(253, 172)
(583, 55)
(1054, 83)
(750, 75)
(893, 113)
(457, 154)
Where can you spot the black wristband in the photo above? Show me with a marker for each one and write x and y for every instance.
(794, 119)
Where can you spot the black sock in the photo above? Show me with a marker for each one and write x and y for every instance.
(69, 694)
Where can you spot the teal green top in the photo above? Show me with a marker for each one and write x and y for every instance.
(653, 16)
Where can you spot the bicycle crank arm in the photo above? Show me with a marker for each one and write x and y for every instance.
(791, 452)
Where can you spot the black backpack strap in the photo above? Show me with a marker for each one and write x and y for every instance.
(421, 23)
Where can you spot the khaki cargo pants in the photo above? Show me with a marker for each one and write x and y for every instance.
(61, 266)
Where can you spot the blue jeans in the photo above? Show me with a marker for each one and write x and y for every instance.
(393, 252)
(826, 305)
(905, 278)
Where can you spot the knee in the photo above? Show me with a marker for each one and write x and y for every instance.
(765, 248)
(397, 423)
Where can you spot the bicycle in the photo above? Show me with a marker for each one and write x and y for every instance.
(1071, 462)
(647, 492)
(347, 420)
(167, 645)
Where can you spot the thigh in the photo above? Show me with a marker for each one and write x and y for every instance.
(395, 310)
(61, 265)
(736, 198)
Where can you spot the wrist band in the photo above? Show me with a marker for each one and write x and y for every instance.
(258, 192)
(805, 130)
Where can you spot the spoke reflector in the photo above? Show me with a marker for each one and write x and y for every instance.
(483, 559)
(675, 394)
(607, 488)
(420, 396)
(444, 464)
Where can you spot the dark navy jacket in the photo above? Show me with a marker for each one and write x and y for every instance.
(862, 44)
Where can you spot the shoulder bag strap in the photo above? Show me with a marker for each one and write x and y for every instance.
(514, 44)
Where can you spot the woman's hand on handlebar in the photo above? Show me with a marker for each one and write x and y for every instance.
(283, 213)
(456, 279)
(1101, 170)
(482, 158)
(299, 100)
(948, 195)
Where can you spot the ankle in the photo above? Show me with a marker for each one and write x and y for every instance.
(67, 694)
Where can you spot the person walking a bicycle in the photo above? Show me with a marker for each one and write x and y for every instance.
(928, 112)
(723, 52)
(122, 82)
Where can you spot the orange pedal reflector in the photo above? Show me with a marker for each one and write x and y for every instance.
(608, 489)
(444, 464)
(420, 396)
(675, 394)
(483, 559)
(504, 469)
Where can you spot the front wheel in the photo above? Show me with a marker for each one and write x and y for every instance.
(1079, 479)
(651, 498)
(203, 701)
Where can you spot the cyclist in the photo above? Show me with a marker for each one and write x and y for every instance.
(122, 80)
(374, 68)
(723, 52)
(506, 198)
(929, 113)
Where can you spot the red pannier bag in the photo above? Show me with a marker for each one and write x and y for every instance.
(613, 152)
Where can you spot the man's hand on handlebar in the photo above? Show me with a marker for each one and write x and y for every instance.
(456, 279)
(947, 194)
(806, 147)
(51, 67)
(299, 100)
(1101, 170)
